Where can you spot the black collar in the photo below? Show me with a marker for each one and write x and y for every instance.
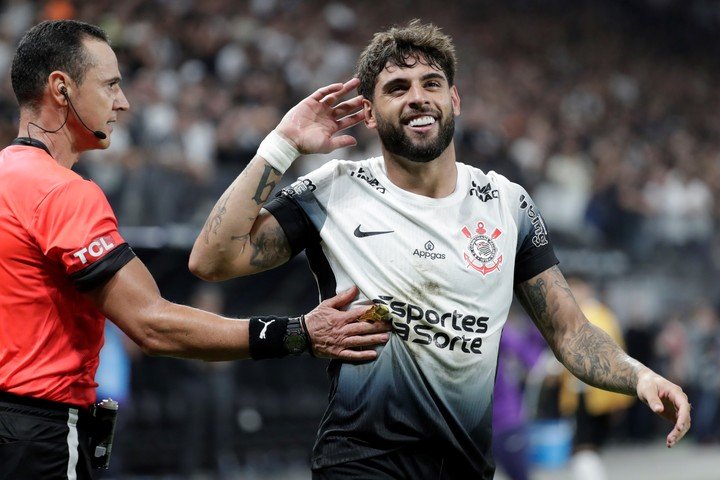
(31, 142)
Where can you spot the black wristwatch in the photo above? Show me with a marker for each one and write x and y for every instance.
(295, 340)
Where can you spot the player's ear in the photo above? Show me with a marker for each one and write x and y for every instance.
(455, 98)
(370, 121)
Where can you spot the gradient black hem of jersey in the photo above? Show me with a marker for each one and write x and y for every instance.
(298, 228)
(100, 271)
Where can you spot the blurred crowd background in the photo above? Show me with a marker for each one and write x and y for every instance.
(608, 112)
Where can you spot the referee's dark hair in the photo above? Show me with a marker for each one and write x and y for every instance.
(50, 46)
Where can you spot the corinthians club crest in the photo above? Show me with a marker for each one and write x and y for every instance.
(481, 251)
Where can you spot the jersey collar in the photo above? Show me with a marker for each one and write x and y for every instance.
(31, 142)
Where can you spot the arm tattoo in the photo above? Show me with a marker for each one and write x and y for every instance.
(543, 310)
(265, 188)
(533, 297)
(270, 248)
(214, 221)
(596, 359)
(587, 351)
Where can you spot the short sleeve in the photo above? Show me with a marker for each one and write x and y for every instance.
(76, 228)
(294, 222)
(299, 207)
(535, 252)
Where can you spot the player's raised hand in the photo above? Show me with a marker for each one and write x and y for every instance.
(311, 125)
(338, 334)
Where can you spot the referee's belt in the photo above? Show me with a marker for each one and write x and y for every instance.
(42, 404)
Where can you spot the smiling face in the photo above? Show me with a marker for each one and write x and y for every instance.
(413, 110)
(98, 98)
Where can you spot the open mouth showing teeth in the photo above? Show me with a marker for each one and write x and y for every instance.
(421, 121)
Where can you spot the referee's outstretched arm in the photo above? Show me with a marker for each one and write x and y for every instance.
(131, 299)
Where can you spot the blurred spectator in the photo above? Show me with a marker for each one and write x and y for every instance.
(114, 381)
(673, 351)
(640, 339)
(591, 407)
(520, 348)
(704, 343)
(567, 189)
(209, 393)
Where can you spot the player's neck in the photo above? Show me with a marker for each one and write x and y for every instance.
(435, 179)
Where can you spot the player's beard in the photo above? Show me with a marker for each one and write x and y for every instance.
(397, 142)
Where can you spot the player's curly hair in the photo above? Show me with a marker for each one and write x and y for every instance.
(404, 47)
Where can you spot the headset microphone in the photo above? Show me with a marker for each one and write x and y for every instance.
(97, 133)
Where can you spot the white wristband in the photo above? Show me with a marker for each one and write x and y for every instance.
(277, 151)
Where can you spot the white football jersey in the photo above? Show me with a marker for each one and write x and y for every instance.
(446, 269)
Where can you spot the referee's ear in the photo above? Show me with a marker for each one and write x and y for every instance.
(57, 87)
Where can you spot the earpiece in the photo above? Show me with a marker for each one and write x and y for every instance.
(63, 91)
(97, 133)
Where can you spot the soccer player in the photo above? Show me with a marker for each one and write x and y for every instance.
(442, 244)
(64, 267)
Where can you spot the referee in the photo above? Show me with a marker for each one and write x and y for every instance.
(64, 267)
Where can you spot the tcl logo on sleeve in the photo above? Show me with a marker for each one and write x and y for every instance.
(96, 249)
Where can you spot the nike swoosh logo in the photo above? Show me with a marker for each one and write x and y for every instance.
(360, 234)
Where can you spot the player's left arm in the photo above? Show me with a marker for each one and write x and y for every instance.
(592, 356)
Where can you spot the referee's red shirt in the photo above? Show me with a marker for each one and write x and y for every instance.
(56, 231)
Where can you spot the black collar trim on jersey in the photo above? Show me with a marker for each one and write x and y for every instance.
(31, 142)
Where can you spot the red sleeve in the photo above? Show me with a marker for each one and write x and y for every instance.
(75, 226)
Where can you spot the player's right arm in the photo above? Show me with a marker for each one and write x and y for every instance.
(240, 237)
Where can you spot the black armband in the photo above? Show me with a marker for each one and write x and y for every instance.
(276, 337)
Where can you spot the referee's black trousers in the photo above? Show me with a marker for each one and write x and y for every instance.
(43, 440)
